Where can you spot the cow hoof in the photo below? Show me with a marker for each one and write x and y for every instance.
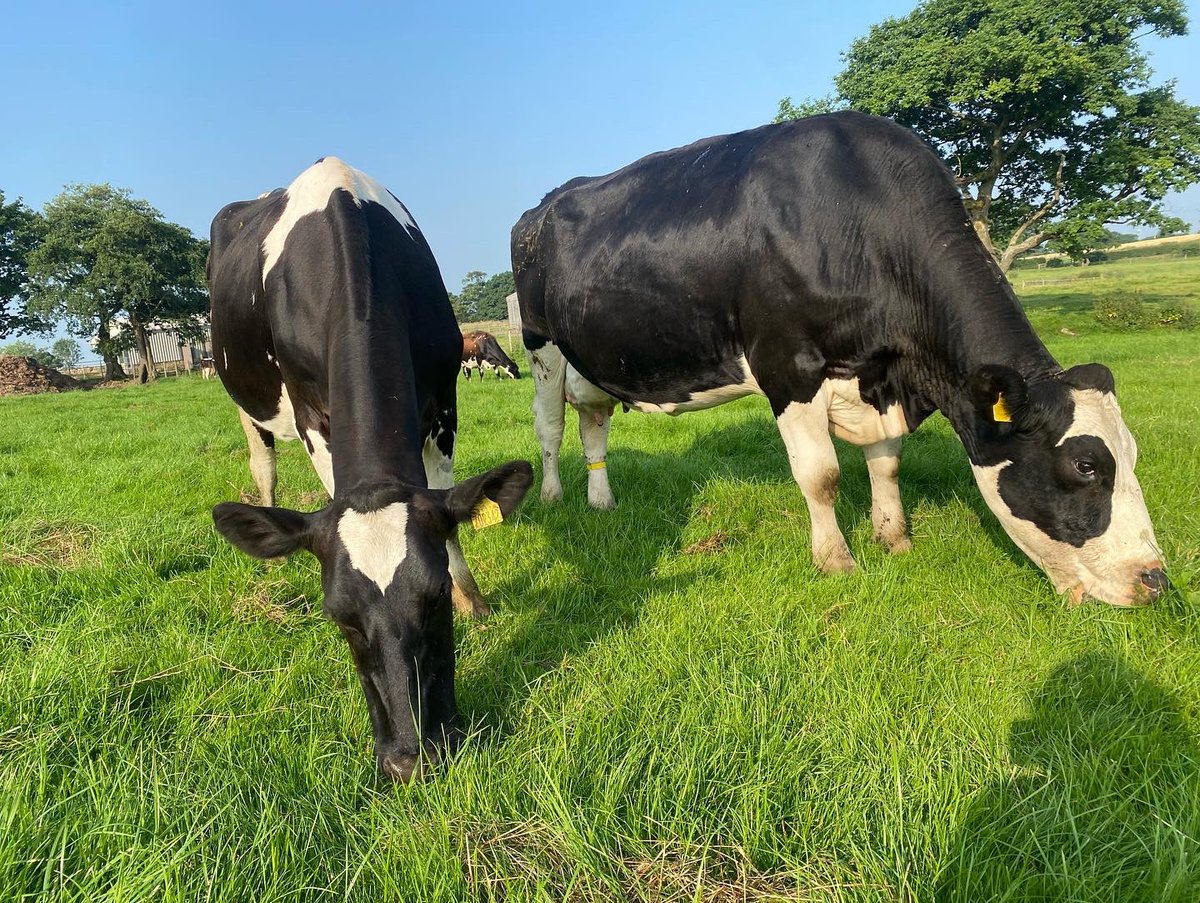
(469, 604)
(839, 561)
(607, 503)
(402, 769)
(551, 494)
(895, 544)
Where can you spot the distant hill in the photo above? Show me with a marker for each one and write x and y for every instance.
(1174, 246)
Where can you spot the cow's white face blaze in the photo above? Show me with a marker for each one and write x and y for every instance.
(1060, 478)
(376, 541)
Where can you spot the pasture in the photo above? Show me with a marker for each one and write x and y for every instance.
(668, 703)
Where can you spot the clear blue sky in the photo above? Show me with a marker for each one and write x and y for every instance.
(469, 112)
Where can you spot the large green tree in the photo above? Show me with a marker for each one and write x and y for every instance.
(1045, 111)
(20, 228)
(112, 268)
(482, 296)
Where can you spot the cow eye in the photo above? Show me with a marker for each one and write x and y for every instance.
(1084, 468)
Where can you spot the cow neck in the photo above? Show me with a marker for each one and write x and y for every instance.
(374, 422)
(977, 327)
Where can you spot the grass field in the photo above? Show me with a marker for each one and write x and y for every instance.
(669, 703)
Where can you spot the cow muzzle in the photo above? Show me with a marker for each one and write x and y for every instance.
(405, 767)
(1150, 583)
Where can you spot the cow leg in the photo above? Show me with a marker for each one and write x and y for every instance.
(805, 431)
(262, 458)
(438, 458)
(593, 433)
(887, 511)
(549, 413)
(595, 408)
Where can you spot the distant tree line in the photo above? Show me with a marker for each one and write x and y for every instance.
(106, 265)
(1045, 112)
(482, 296)
(62, 355)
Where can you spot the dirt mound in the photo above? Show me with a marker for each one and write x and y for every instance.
(25, 376)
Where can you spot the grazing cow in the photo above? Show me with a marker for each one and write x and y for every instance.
(331, 324)
(829, 265)
(482, 352)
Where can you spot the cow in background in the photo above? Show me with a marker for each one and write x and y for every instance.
(481, 351)
(331, 325)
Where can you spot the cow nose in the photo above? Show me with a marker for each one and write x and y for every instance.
(1155, 582)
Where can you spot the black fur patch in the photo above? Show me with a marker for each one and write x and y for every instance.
(1081, 508)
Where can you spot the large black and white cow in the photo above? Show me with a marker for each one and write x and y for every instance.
(331, 324)
(829, 265)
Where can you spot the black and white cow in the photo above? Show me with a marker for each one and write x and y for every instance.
(829, 265)
(331, 324)
(482, 352)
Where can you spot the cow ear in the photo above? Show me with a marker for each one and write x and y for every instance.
(1091, 376)
(997, 392)
(262, 532)
(491, 496)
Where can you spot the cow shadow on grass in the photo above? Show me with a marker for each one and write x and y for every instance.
(1106, 805)
(589, 572)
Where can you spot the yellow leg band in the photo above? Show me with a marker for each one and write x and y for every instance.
(598, 465)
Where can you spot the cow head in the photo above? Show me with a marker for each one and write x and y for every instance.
(511, 369)
(387, 586)
(1054, 461)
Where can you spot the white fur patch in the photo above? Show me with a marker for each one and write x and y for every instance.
(322, 460)
(376, 541)
(310, 192)
(855, 420)
(439, 469)
(708, 398)
(283, 423)
(583, 394)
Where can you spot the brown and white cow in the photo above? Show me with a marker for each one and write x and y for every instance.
(482, 352)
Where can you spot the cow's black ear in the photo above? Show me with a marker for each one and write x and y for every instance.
(997, 392)
(262, 532)
(499, 491)
(1091, 376)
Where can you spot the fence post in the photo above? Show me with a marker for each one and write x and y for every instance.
(514, 319)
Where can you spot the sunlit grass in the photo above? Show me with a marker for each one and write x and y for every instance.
(669, 702)
(1063, 298)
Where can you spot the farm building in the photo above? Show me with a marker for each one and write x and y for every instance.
(171, 351)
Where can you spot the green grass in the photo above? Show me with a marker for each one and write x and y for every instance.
(1062, 298)
(654, 716)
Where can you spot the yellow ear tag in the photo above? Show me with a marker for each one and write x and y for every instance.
(486, 514)
(1000, 410)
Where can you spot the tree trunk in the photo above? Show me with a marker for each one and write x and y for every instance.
(142, 341)
(978, 212)
(112, 366)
